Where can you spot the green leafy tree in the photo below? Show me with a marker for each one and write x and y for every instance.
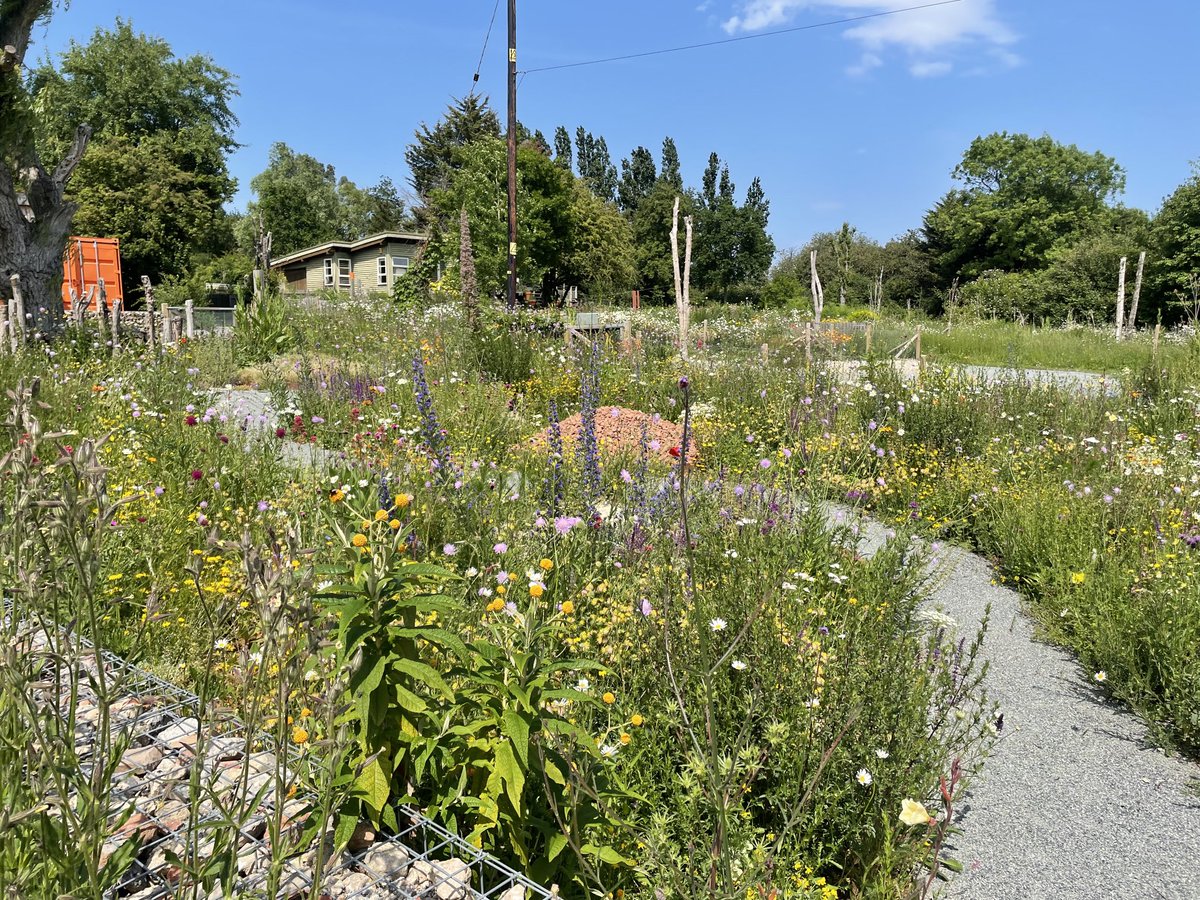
(366, 211)
(1020, 197)
(651, 224)
(732, 247)
(670, 165)
(297, 198)
(544, 195)
(601, 260)
(595, 165)
(1176, 236)
(638, 175)
(562, 148)
(156, 176)
(435, 153)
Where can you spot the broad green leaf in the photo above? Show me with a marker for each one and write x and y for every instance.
(424, 673)
(373, 784)
(510, 773)
(555, 846)
(408, 700)
(516, 728)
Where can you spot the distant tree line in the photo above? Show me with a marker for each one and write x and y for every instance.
(1033, 230)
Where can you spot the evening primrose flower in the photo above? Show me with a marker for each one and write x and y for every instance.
(913, 813)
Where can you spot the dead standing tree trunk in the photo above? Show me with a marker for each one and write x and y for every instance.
(1137, 292)
(1121, 301)
(683, 302)
(35, 217)
(818, 292)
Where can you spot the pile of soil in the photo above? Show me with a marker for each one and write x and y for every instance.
(619, 429)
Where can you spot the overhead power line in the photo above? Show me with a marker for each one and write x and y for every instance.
(482, 53)
(745, 37)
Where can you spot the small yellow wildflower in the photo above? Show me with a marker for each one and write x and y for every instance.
(536, 590)
(546, 564)
(637, 721)
(568, 607)
(299, 735)
(402, 500)
(913, 813)
(380, 515)
(609, 698)
(359, 540)
(1078, 578)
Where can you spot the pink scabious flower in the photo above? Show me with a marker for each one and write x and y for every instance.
(197, 474)
(563, 524)
(501, 548)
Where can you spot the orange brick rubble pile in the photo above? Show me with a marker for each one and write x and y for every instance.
(618, 429)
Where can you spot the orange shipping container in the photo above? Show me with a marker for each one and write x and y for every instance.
(87, 261)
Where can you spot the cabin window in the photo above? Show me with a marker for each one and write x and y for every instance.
(344, 273)
(381, 266)
(329, 273)
(399, 266)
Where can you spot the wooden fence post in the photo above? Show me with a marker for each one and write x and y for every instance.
(12, 325)
(101, 309)
(918, 343)
(148, 302)
(870, 332)
(166, 325)
(5, 327)
(808, 337)
(1121, 301)
(1157, 331)
(116, 323)
(18, 312)
(189, 318)
(1137, 291)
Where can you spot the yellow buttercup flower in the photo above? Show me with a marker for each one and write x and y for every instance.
(1078, 578)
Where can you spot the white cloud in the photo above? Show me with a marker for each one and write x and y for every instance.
(930, 69)
(920, 34)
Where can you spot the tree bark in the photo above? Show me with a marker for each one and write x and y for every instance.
(1121, 301)
(1137, 291)
(35, 216)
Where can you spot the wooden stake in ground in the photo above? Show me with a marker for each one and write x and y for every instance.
(189, 318)
(818, 292)
(1137, 291)
(5, 326)
(148, 302)
(167, 338)
(18, 311)
(1121, 301)
(102, 311)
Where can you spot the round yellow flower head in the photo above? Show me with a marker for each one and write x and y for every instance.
(637, 721)
(546, 564)
(394, 524)
(299, 735)
(609, 698)
(359, 540)
(568, 607)
(380, 515)
(402, 500)
(536, 590)
(626, 737)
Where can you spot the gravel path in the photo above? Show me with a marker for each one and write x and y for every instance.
(854, 371)
(253, 407)
(1075, 803)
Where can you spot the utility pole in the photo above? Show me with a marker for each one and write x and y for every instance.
(512, 154)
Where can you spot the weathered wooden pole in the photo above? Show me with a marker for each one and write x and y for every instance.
(1121, 301)
(148, 302)
(1137, 291)
(189, 318)
(870, 333)
(512, 154)
(818, 292)
(918, 343)
(166, 325)
(18, 312)
(5, 327)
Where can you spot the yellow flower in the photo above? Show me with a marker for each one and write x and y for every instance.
(394, 524)
(299, 735)
(1078, 578)
(380, 515)
(536, 590)
(546, 564)
(637, 721)
(501, 589)
(609, 698)
(305, 712)
(402, 500)
(359, 540)
(336, 496)
(626, 737)
(568, 607)
(913, 813)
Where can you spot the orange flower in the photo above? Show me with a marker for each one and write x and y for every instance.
(359, 540)
(609, 698)
(568, 607)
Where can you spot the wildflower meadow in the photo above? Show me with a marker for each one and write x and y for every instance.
(599, 611)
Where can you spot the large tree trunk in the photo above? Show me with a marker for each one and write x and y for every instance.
(35, 218)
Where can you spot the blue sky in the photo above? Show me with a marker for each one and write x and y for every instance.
(858, 123)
